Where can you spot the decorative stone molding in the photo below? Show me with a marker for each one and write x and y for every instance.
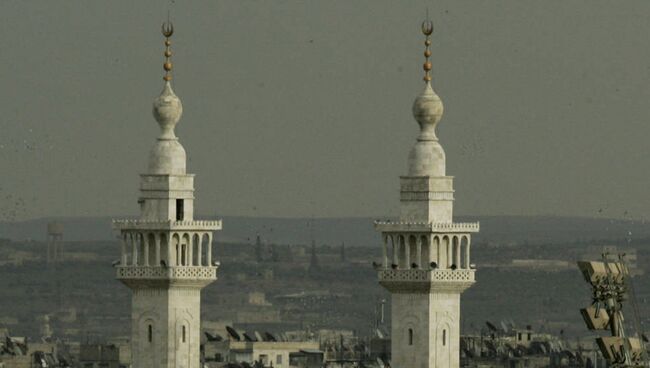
(166, 225)
(168, 273)
(426, 275)
(426, 196)
(454, 227)
(426, 281)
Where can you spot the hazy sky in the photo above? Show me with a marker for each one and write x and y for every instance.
(300, 108)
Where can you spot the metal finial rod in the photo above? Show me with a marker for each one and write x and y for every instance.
(427, 30)
(167, 31)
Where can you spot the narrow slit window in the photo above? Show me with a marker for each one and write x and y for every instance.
(410, 336)
(444, 337)
(180, 210)
(150, 333)
(183, 333)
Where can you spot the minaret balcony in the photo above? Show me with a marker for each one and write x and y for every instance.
(137, 274)
(427, 227)
(410, 280)
(211, 225)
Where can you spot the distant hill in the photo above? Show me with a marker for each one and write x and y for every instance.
(503, 230)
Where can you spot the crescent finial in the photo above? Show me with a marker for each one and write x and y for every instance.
(167, 29)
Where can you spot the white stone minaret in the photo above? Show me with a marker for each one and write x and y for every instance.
(166, 254)
(426, 263)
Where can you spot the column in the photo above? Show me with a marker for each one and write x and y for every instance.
(395, 241)
(457, 251)
(170, 250)
(385, 251)
(199, 249)
(145, 248)
(190, 250)
(209, 260)
(134, 245)
(123, 262)
(467, 252)
(157, 240)
(407, 252)
(418, 242)
(448, 258)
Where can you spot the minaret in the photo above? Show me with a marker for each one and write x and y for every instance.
(166, 254)
(258, 249)
(54, 243)
(313, 261)
(426, 263)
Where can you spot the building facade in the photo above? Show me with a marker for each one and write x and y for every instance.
(426, 255)
(166, 255)
(277, 354)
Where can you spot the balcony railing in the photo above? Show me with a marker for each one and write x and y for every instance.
(453, 227)
(162, 272)
(163, 225)
(447, 275)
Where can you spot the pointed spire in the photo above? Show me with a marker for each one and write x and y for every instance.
(427, 30)
(168, 155)
(427, 108)
(167, 31)
(167, 107)
(427, 157)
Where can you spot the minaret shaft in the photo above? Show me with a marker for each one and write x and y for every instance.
(425, 339)
(426, 199)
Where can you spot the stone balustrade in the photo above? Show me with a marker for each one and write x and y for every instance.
(136, 224)
(426, 275)
(164, 273)
(453, 227)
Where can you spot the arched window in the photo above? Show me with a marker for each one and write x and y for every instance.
(410, 336)
(444, 337)
(150, 332)
(183, 333)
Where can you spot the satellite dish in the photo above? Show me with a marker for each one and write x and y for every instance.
(232, 333)
(491, 326)
(215, 337)
(258, 336)
(269, 337)
(504, 326)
